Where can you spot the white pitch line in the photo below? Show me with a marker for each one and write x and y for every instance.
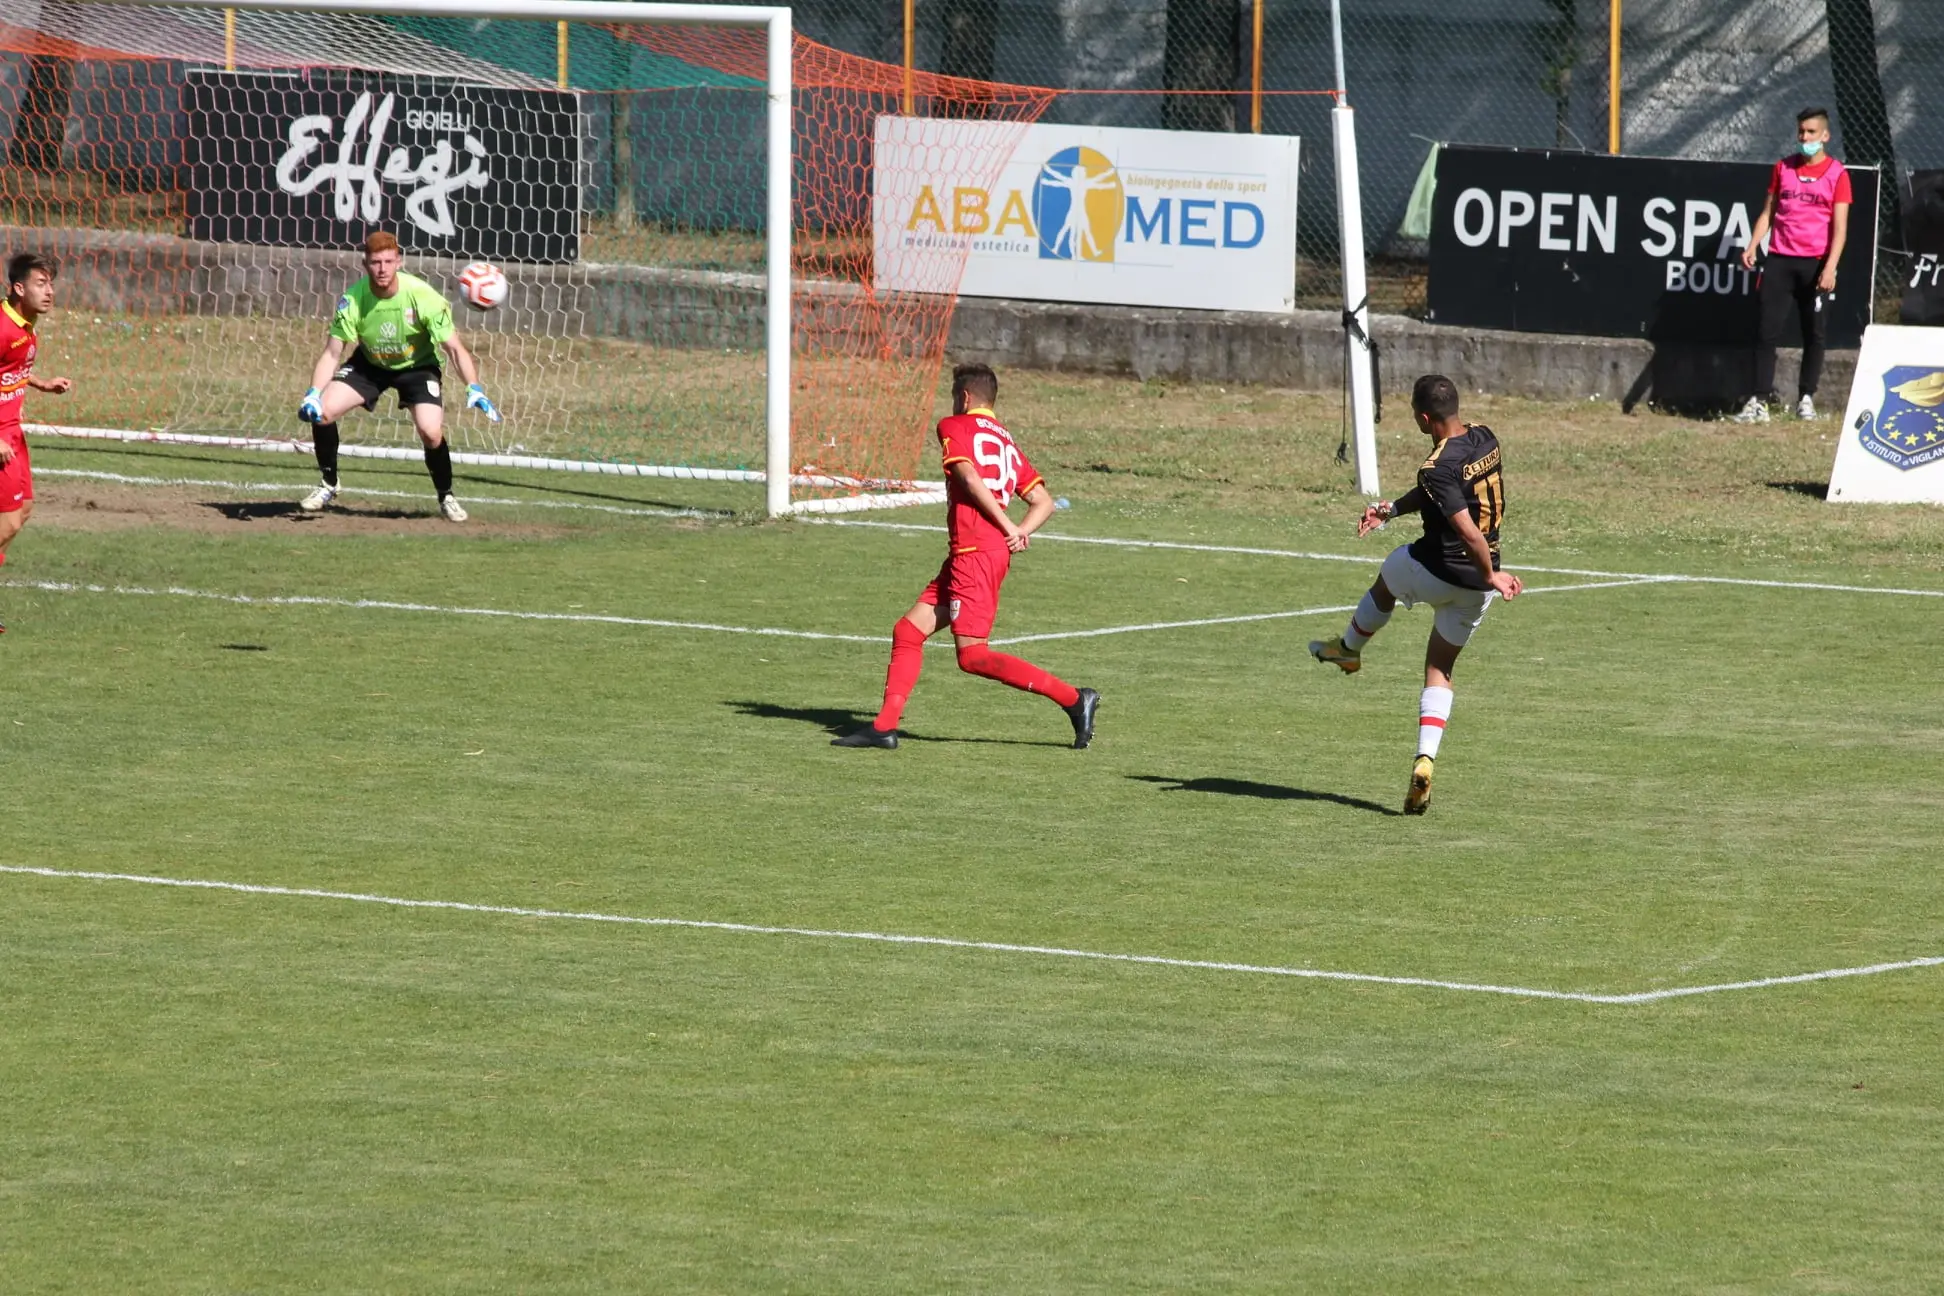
(387, 605)
(1282, 616)
(390, 605)
(995, 947)
(1373, 560)
(282, 488)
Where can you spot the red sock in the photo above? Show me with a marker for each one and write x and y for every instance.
(977, 659)
(907, 659)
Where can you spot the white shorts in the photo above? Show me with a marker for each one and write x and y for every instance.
(1459, 609)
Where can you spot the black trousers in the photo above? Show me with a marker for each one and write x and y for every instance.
(1789, 284)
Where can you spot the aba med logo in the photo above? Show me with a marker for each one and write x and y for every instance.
(1077, 204)
(1907, 429)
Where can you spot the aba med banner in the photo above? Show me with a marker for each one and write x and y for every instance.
(1557, 242)
(320, 159)
(1085, 214)
(1892, 445)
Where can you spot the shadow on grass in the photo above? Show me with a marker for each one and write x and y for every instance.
(1261, 791)
(841, 720)
(262, 510)
(1814, 490)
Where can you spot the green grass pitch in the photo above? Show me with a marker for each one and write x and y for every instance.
(1645, 787)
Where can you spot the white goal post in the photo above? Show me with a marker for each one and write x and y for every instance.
(776, 25)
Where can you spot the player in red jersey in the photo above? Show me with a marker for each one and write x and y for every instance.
(984, 471)
(30, 295)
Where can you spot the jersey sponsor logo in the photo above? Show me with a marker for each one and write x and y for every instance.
(357, 183)
(1485, 465)
(1906, 429)
(388, 330)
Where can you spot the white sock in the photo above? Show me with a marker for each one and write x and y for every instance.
(1364, 623)
(1434, 708)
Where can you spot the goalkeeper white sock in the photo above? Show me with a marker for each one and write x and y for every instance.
(1434, 708)
(1364, 623)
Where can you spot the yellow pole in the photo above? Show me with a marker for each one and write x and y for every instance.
(910, 53)
(229, 40)
(1255, 75)
(1613, 78)
(560, 54)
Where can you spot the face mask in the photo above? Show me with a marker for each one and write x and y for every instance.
(1811, 148)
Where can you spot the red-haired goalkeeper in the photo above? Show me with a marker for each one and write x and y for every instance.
(984, 472)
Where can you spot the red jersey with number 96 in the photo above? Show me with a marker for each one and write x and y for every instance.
(978, 437)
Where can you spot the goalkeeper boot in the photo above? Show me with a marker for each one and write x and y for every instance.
(449, 506)
(868, 736)
(1347, 660)
(1082, 714)
(1419, 795)
(318, 500)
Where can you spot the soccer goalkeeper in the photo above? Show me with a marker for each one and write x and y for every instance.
(394, 324)
(984, 470)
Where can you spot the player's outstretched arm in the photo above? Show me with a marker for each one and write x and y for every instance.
(987, 503)
(462, 360)
(53, 385)
(311, 409)
(1384, 510)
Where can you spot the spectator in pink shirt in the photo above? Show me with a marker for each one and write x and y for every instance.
(1806, 217)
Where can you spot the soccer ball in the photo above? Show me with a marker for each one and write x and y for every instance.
(482, 285)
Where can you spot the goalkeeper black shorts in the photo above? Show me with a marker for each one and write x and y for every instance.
(419, 386)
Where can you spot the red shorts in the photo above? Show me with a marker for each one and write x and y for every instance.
(17, 478)
(967, 587)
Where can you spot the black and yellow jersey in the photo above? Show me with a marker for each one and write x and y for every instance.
(1463, 472)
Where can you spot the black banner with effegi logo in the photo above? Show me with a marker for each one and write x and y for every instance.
(321, 159)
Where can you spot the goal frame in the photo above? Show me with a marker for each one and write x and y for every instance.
(778, 161)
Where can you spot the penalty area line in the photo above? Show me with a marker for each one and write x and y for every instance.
(1247, 617)
(1375, 560)
(991, 947)
(387, 605)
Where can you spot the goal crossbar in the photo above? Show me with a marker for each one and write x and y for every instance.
(775, 22)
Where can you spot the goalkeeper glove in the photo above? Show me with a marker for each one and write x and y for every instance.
(476, 398)
(312, 410)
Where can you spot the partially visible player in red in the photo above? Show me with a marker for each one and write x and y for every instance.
(30, 295)
(984, 471)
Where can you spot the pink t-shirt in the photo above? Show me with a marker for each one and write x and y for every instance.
(1806, 194)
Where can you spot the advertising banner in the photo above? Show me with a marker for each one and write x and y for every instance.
(1892, 446)
(1584, 243)
(1085, 214)
(1923, 222)
(321, 159)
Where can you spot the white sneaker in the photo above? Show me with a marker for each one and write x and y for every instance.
(449, 505)
(1806, 407)
(318, 500)
(1756, 411)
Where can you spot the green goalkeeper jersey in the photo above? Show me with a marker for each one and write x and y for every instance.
(402, 331)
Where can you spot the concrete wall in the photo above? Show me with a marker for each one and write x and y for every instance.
(154, 274)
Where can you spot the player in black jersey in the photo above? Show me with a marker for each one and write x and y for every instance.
(1454, 566)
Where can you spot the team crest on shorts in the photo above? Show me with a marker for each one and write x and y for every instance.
(952, 615)
(1907, 430)
(432, 388)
